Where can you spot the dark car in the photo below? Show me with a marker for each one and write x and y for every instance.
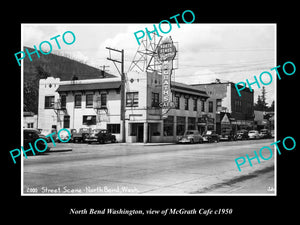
(265, 133)
(104, 136)
(210, 136)
(93, 136)
(242, 135)
(30, 136)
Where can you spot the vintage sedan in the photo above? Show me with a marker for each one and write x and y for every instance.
(242, 135)
(210, 136)
(253, 134)
(190, 136)
(100, 135)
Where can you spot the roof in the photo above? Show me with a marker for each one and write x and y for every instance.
(89, 86)
(187, 89)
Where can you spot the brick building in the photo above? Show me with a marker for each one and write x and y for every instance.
(239, 111)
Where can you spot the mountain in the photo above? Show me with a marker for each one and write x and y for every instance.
(55, 66)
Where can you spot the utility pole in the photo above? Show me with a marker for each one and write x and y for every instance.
(103, 70)
(122, 74)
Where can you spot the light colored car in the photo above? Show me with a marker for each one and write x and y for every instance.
(190, 136)
(253, 134)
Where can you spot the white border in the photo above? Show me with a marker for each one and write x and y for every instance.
(142, 195)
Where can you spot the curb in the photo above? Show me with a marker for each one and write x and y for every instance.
(60, 150)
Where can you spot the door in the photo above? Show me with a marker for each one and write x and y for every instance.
(140, 132)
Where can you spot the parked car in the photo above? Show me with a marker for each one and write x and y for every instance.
(210, 136)
(272, 133)
(93, 136)
(253, 134)
(64, 136)
(190, 136)
(242, 135)
(104, 136)
(81, 135)
(227, 135)
(265, 133)
(30, 136)
(38, 132)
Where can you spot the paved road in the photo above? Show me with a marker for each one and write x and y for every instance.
(150, 169)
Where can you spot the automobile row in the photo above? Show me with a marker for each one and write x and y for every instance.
(88, 135)
(193, 136)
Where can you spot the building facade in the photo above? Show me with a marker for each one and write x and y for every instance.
(78, 104)
(96, 103)
(230, 109)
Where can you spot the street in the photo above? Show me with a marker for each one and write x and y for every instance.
(149, 169)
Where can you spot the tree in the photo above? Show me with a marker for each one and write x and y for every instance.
(263, 98)
(261, 104)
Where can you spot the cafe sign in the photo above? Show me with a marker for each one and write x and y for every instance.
(166, 52)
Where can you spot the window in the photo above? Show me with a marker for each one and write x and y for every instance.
(49, 102)
(210, 106)
(238, 105)
(191, 123)
(202, 106)
(186, 103)
(219, 105)
(177, 102)
(63, 101)
(195, 105)
(29, 125)
(132, 99)
(77, 101)
(155, 100)
(66, 121)
(168, 126)
(103, 97)
(113, 128)
(180, 127)
(89, 100)
(89, 120)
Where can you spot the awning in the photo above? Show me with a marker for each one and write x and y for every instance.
(90, 86)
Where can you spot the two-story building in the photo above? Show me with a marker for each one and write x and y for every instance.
(230, 108)
(144, 119)
(77, 104)
(96, 103)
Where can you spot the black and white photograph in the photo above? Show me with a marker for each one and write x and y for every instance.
(150, 109)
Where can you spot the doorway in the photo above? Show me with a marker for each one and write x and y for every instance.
(140, 132)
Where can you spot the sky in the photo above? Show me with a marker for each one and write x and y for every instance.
(206, 52)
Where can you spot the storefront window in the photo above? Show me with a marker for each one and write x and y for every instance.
(168, 126)
(180, 127)
(191, 123)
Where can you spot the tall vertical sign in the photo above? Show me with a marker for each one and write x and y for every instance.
(166, 53)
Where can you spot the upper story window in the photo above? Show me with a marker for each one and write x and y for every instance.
(186, 103)
(202, 106)
(132, 99)
(63, 101)
(195, 106)
(103, 98)
(177, 102)
(210, 106)
(89, 100)
(155, 99)
(77, 101)
(49, 102)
